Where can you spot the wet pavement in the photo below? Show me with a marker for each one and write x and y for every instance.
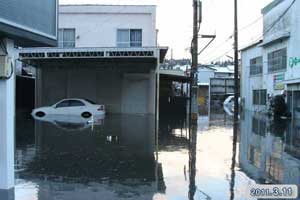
(120, 157)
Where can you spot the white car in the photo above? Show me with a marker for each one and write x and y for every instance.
(71, 107)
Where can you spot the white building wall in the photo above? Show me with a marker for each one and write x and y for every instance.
(289, 27)
(249, 83)
(293, 69)
(269, 76)
(7, 126)
(96, 26)
(205, 74)
(289, 24)
(274, 30)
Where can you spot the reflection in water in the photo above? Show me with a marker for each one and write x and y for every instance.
(72, 122)
(115, 159)
(234, 151)
(122, 158)
(192, 160)
(269, 150)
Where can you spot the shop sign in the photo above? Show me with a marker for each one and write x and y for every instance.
(278, 82)
(294, 61)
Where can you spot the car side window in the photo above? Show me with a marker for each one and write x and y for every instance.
(63, 104)
(76, 103)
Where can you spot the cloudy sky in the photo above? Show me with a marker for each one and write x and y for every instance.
(174, 21)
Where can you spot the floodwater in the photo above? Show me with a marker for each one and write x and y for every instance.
(121, 157)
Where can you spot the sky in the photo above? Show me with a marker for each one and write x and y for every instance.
(174, 22)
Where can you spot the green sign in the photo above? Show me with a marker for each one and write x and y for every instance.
(278, 82)
(294, 61)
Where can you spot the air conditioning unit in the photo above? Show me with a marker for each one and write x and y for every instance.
(5, 67)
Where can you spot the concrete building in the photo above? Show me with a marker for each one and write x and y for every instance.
(215, 84)
(108, 54)
(206, 72)
(107, 26)
(22, 28)
(271, 66)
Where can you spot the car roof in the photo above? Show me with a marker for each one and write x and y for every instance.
(73, 99)
(76, 99)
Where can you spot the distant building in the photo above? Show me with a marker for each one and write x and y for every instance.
(272, 66)
(175, 63)
(215, 84)
(205, 72)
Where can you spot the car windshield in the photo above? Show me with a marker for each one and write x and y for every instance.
(91, 102)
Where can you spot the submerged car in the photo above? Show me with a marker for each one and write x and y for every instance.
(72, 122)
(71, 107)
(228, 105)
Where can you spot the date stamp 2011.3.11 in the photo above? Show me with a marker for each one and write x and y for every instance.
(272, 191)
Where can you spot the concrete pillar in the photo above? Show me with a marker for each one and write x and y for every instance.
(38, 88)
(152, 92)
(157, 88)
(7, 123)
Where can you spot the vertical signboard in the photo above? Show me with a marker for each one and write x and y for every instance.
(278, 81)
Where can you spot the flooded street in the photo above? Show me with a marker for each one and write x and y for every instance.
(120, 157)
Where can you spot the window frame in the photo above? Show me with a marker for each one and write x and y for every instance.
(277, 59)
(78, 101)
(256, 66)
(129, 42)
(68, 104)
(61, 41)
(257, 99)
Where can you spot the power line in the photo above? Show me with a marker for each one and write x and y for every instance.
(252, 23)
(266, 30)
(218, 57)
(279, 18)
(260, 36)
(231, 36)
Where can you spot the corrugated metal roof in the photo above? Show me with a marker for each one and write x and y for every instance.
(220, 69)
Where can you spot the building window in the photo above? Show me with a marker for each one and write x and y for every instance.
(259, 97)
(259, 127)
(256, 66)
(129, 38)
(66, 37)
(277, 60)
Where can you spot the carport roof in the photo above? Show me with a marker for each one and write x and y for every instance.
(174, 75)
(38, 54)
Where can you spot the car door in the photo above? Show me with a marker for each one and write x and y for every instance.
(62, 108)
(76, 107)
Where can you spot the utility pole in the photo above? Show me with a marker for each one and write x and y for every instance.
(194, 71)
(236, 102)
(236, 65)
(194, 97)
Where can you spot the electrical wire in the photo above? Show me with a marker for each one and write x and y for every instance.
(279, 18)
(231, 36)
(260, 36)
(218, 57)
(267, 30)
